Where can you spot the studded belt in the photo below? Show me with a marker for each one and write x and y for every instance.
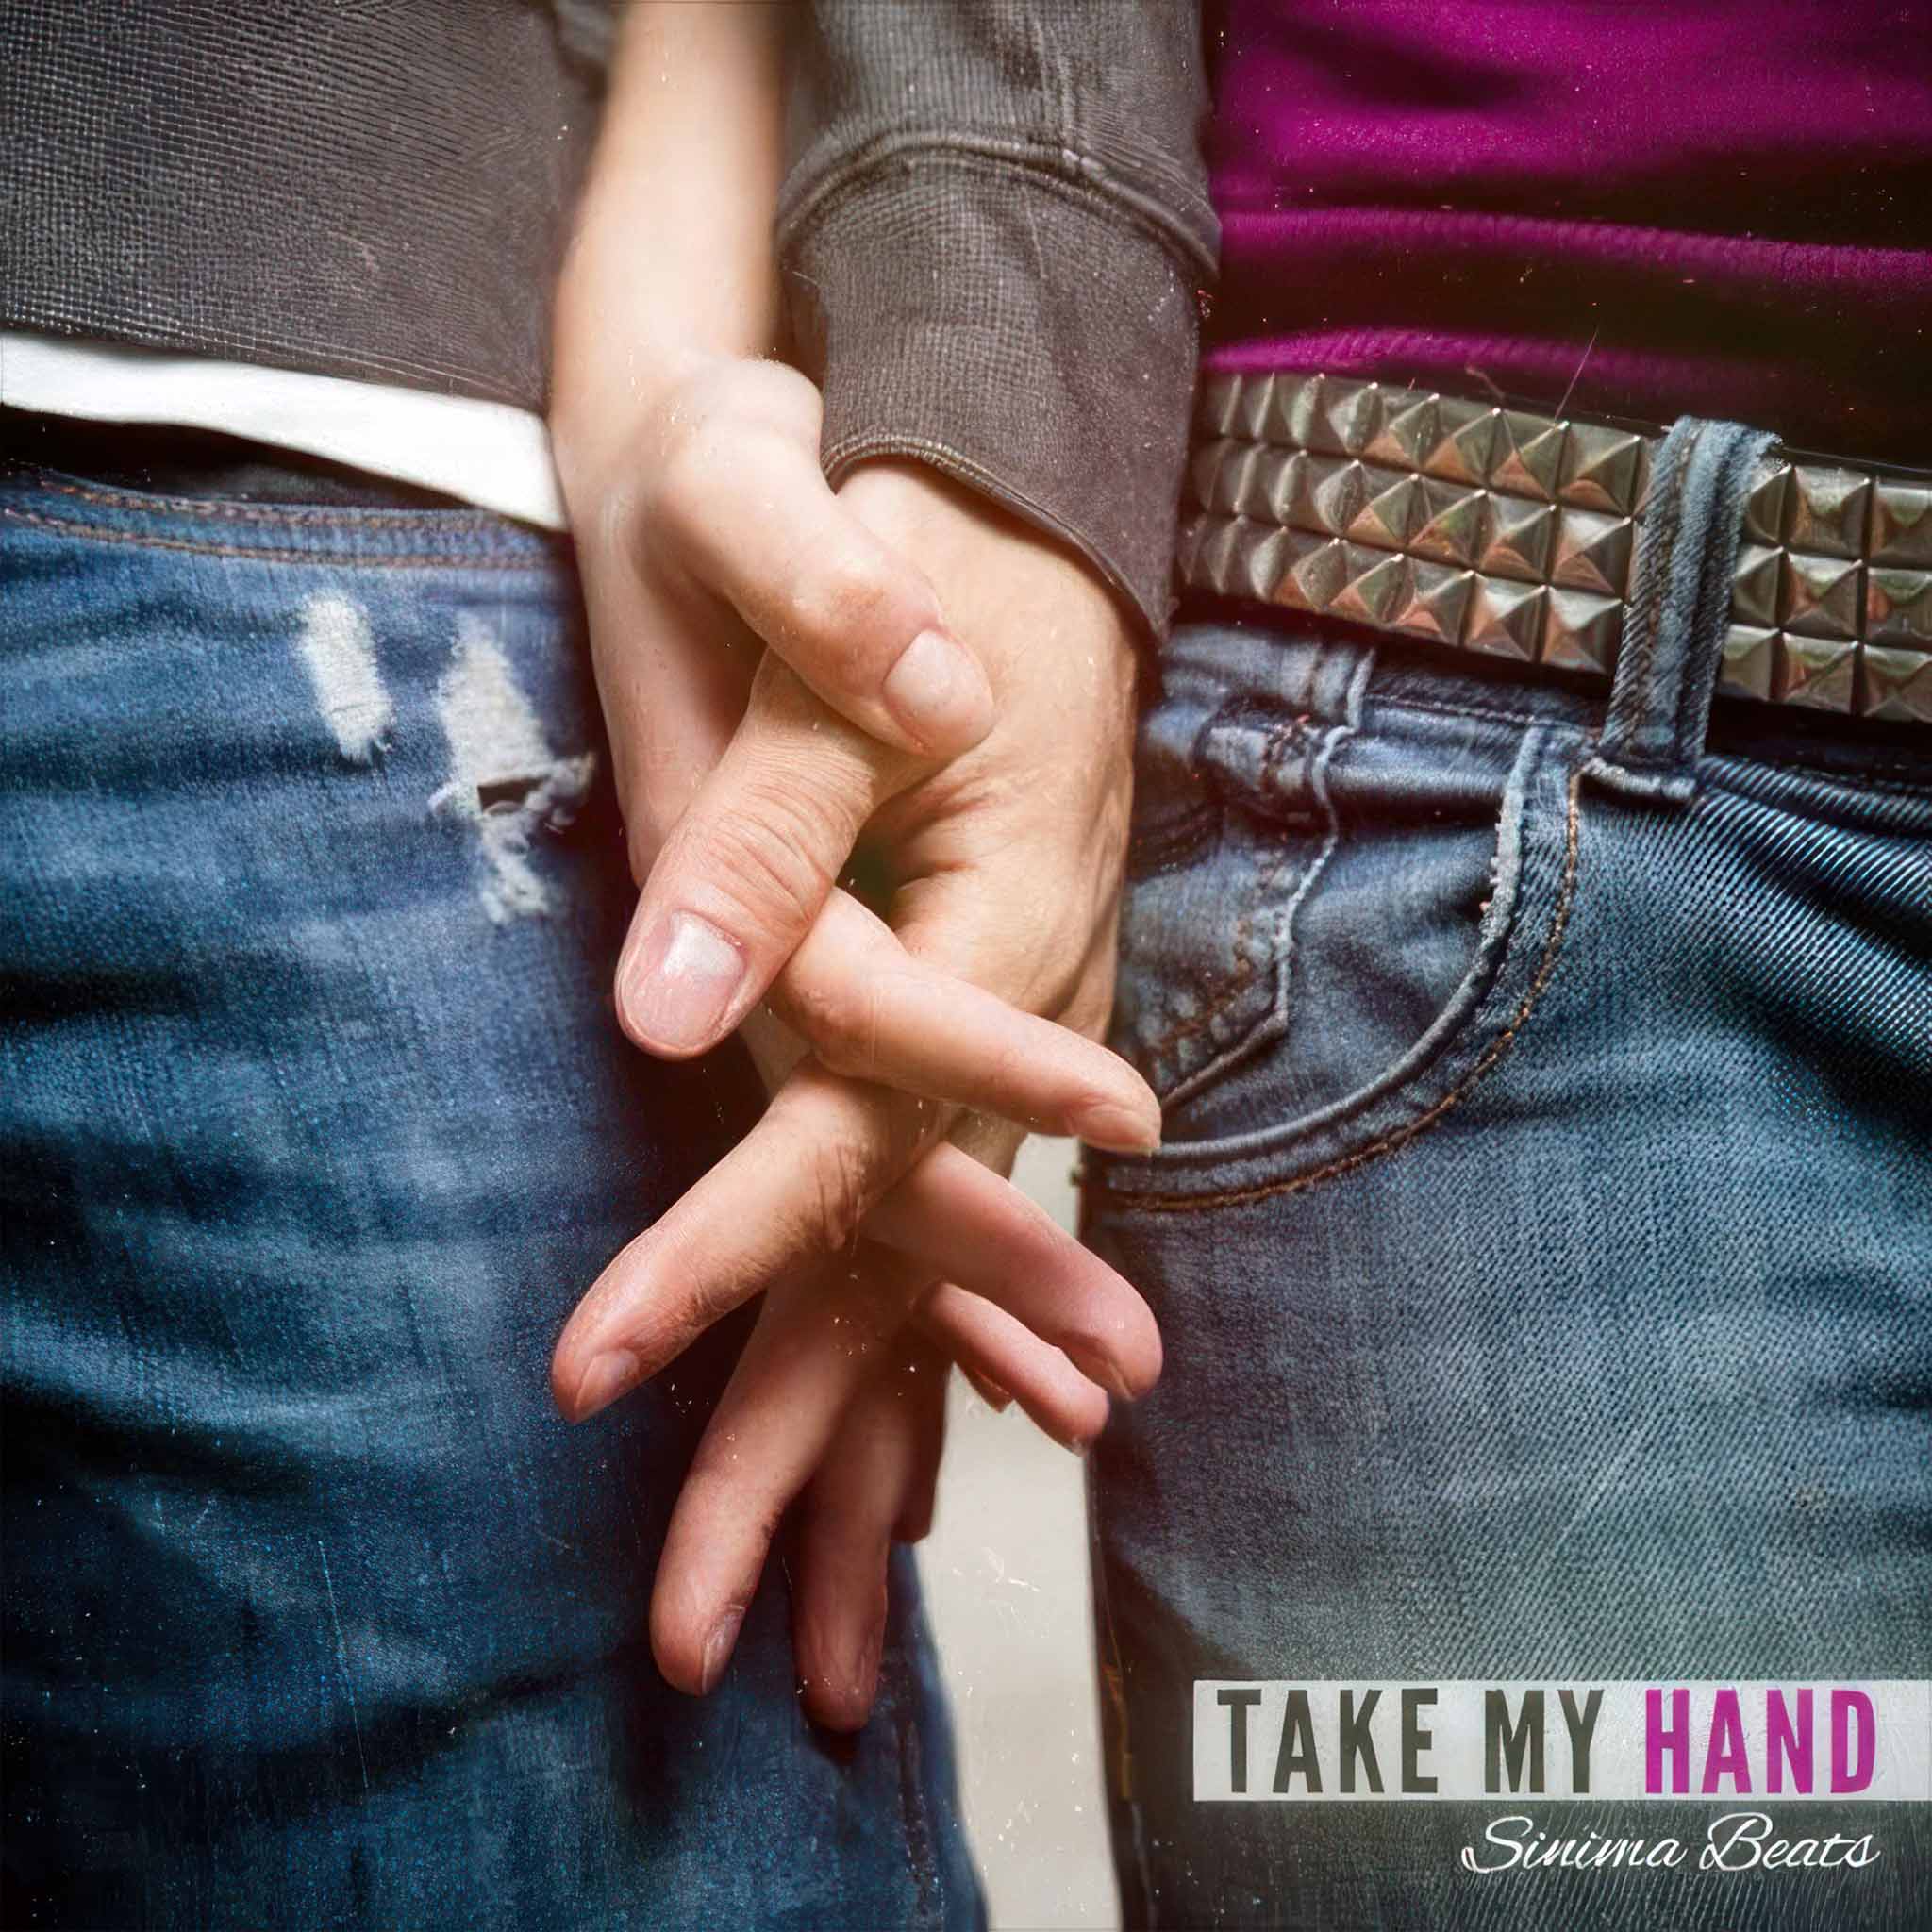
(1491, 530)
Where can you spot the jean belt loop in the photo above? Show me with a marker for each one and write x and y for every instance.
(1679, 610)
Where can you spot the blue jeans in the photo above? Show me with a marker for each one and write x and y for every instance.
(316, 1121)
(1542, 1240)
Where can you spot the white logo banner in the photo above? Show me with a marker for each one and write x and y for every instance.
(1326, 1742)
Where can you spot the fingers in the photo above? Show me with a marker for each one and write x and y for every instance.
(745, 871)
(967, 1223)
(793, 1192)
(747, 510)
(814, 1344)
(873, 1488)
(874, 1011)
(1006, 1362)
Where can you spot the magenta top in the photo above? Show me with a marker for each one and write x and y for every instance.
(1720, 206)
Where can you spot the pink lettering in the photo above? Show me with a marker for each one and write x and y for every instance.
(1656, 1740)
(1725, 1754)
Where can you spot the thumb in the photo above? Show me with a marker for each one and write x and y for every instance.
(747, 869)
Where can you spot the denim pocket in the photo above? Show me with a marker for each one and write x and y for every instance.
(1338, 901)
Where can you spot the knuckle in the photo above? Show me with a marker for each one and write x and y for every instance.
(718, 1473)
(835, 1192)
(1086, 1326)
(845, 597)
(844, 1027)
(775, 859)
(683, 494)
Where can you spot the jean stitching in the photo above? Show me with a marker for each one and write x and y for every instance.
(1718, 557)
(1410, 1130)
(297, 514)
(1246, 969)
(1630, 723)
(360, 559)
(1877, 778)
(1334, 740)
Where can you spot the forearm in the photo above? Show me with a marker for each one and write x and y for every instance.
(672, 261)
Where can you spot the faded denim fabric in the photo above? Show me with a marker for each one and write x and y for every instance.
(315, 1123)
(1542, 1239)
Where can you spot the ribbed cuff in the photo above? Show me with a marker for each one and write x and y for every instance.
(1014, 330)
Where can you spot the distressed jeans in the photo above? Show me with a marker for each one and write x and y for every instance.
(1542, 1240)
(315, 1123)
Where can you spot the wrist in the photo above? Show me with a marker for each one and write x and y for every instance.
(609, 402)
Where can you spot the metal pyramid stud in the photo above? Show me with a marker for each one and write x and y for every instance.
(1293, 411)
(1438, 603)
(1329, 401)
(1519, 539)
(1514, 534)
(1353, 415)
(1270, 484)
(1592, 552)
(1901, 524)
(1230, 484)
(1455, 523)
(1506, 620)
(1819, 671)
(1204, 471)
(1581, 630)
(1755, 584)
(1378, 586)
(1529, 456)
(1465, 435)
(1825, 511)
(1389, 518)
(1897, 684)
(1406, 429)
(1748, 661)
(1217, 557)
(1261, 554)
(1764, 508)
(1603, 469)
(1333, 493)
(1317, 570)
(1215, 408)
(1821, 595)
(1898, 606)
(1254, 407)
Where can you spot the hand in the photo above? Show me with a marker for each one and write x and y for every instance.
(668, 299)
(673, 559)
(1007, 862)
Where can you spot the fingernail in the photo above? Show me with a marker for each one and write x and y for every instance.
(1119, 1129)
(718, 1650)
(606, 1379)
(939, 694)
(683, 981)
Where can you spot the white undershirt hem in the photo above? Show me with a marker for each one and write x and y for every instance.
(489, 454)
